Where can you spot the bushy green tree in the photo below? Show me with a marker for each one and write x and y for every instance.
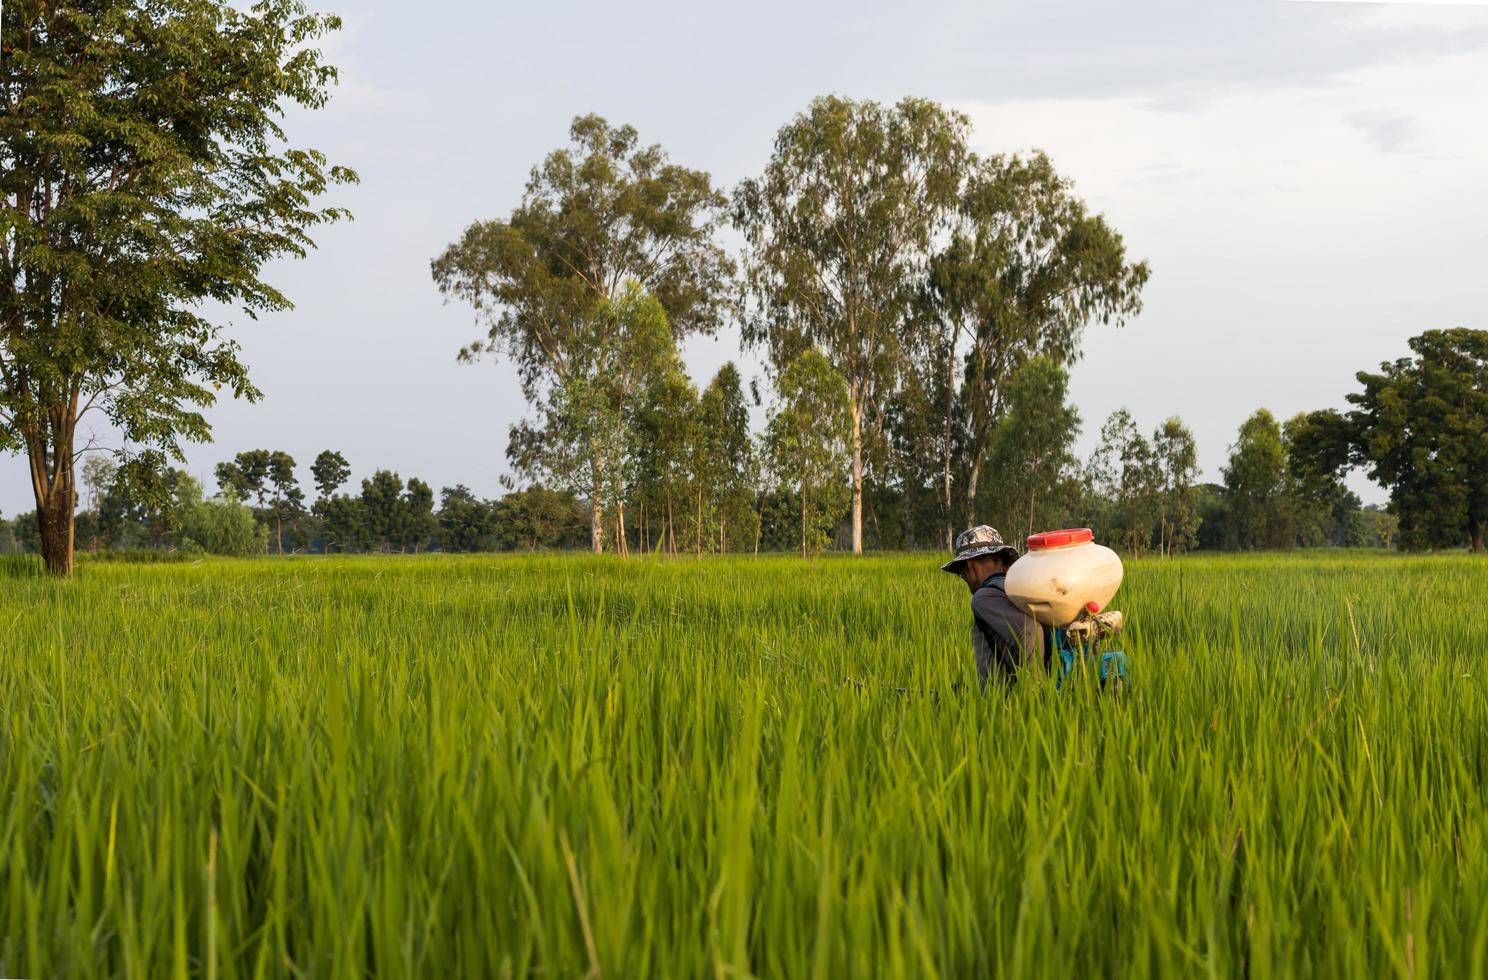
(1126, 478)
(465, 522)
(224, 526)
(664, 422)
(330, 471)
(1177, 458)
(418, 524)
(344, 523)
(807, 443)
(1419, 427)
(1322, 511)
(1256, 486)
(538, 517)
(146, 180)
(724, 464)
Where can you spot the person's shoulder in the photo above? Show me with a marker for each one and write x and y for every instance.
(990, 595)
(993, 586)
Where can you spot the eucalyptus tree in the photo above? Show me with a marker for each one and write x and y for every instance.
(1029, 449)
(727, 470)
(1177, 459)
(661, 466)
(1126, 476)
(1255, 481)
(581, 439)
(600, 213)
(839, 229)
(808, 441)
(1026, 269)
(146, 179)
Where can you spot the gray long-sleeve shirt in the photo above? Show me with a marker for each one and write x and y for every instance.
(1004, 636)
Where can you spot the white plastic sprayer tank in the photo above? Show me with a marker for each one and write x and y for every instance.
(1064, 574)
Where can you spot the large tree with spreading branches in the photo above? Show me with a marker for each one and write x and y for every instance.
(146, 179)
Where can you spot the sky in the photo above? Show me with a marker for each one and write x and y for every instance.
(1305, 179)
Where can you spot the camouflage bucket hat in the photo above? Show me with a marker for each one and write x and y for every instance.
(976, 542)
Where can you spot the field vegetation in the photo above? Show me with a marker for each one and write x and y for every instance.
(562, 766)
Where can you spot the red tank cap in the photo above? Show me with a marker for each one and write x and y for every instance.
(1059, 539)
(1092, 606)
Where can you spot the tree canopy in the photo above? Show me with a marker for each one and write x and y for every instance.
(1419, 427)
(839, 229)
(146, 179)
(601, 217)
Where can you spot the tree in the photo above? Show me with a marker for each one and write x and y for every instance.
(418, 524)
(1420, 427)
(344, 522)
(1255, 485)
(839, 228)
(223, 526)
(331, 472)
(664, 420)
(1177, 459)
(537, 518)
(808, 441)
(1025, 270)
(465, 523)
(1127, 480)
(583, 439)
(98, 476)
(727, 471)
(266, 477)
(145, 181)
(146, 507)
(1029, 449)
(1320, 508)
(382, 508)
(287, 500)
(596, 216)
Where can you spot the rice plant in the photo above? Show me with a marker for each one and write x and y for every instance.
(570, 766)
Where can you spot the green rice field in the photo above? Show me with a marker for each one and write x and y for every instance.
(562, 766)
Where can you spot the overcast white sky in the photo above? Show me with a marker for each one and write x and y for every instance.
(1306, 179)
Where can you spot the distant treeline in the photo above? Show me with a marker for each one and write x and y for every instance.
(917, 305)
(1138, 492)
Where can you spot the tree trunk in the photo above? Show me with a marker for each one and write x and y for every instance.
(54, 523)
(621, 544)
(857, 475)
(54, 486)
(596, 525)
(950, 541)
(699, 532)
(803, 520)
(596, 511)
(671, 526)
(971, 487)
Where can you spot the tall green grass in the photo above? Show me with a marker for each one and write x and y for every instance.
(563, 766)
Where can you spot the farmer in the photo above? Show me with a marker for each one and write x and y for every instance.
(1004, 636)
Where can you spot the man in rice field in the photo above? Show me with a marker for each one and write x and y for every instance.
(1003, 636)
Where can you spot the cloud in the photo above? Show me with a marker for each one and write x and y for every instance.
(1297, 233)
(1389, 133)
